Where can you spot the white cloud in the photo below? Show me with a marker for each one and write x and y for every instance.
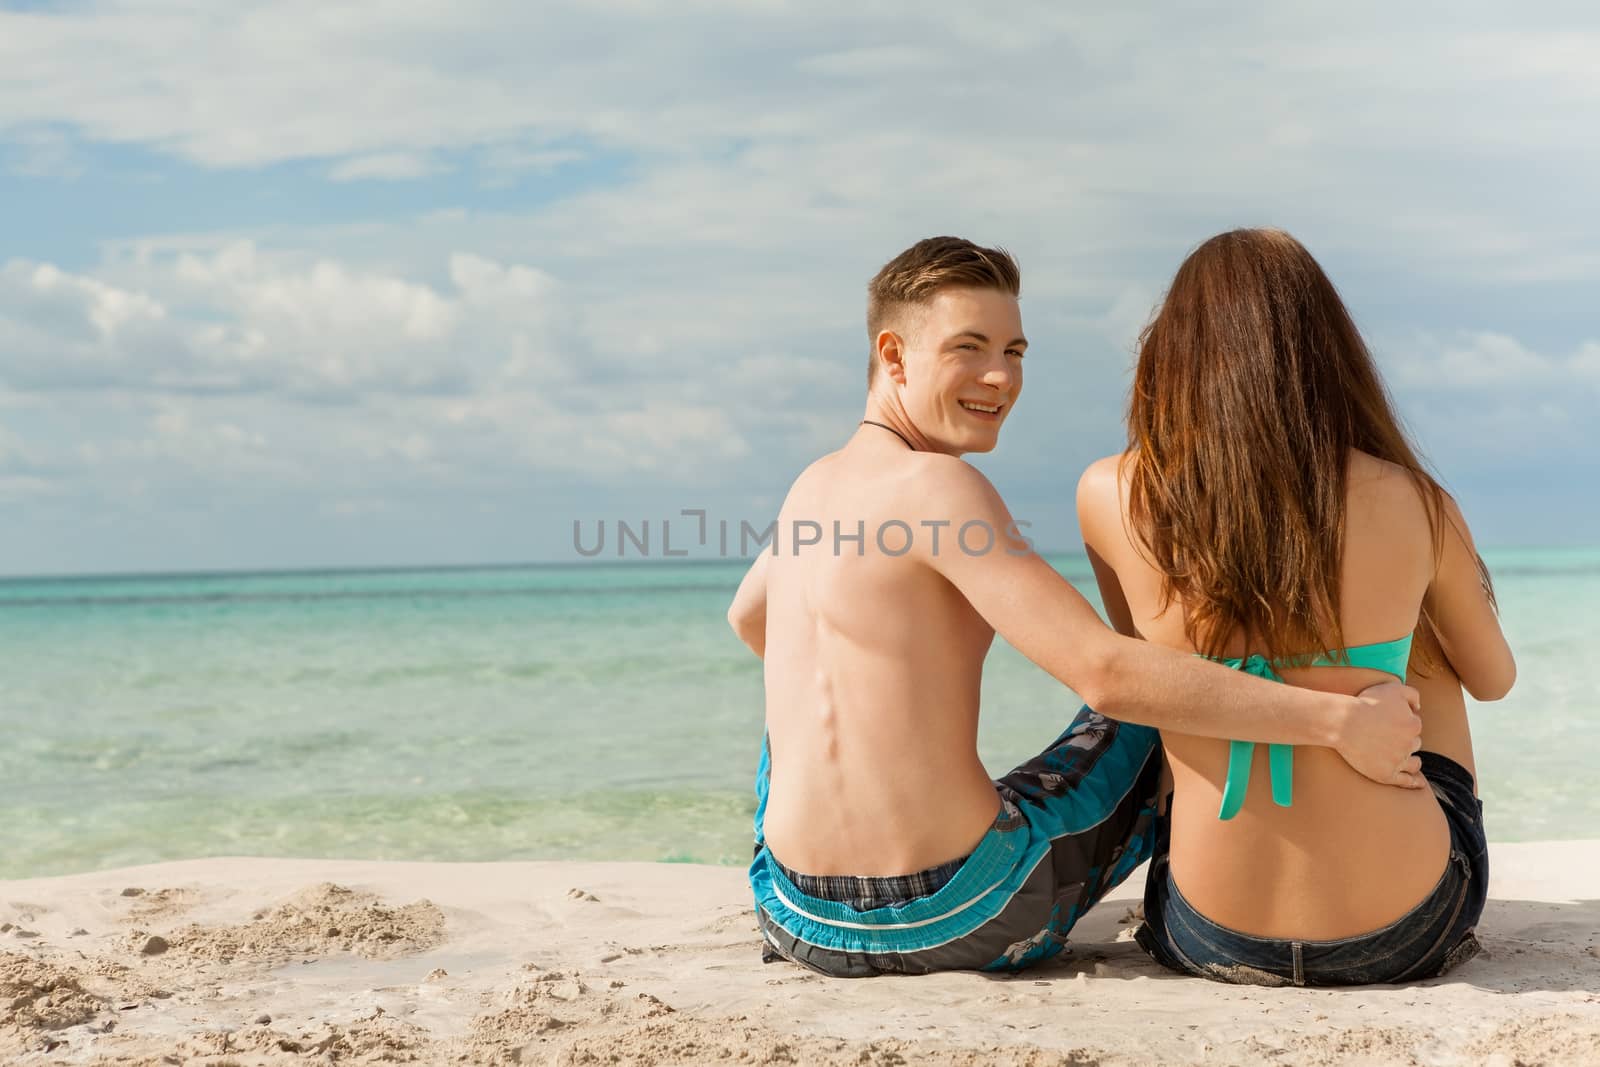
(385, 166)
(245, 364)
(1484, 361)
(251, 324)
(68, 330)
(505, 163)
(1486, 404)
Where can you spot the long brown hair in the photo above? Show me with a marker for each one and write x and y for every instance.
(1252, 387)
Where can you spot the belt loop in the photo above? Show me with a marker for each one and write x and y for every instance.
(1299, 964)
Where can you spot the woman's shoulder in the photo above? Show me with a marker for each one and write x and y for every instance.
(1387, 502)
(1379, 480)
(1102, 501)
(1104, 484)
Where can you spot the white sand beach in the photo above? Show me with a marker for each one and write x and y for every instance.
(267, 961)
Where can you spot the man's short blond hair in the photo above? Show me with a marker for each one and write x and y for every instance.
(918, 274)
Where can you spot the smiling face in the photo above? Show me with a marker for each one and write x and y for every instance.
(955, 366)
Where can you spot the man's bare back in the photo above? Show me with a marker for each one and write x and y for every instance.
(872, 673)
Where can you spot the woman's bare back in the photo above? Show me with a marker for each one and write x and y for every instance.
(1349, 855)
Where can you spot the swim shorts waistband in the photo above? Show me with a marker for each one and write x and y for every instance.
(868, 892)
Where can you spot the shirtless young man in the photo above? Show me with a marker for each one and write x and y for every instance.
(914, 860)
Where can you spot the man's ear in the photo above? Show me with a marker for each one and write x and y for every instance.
(890, 351)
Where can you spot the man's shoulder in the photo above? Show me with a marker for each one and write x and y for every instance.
(936, 466)
(921, 482)
(915, 472)
(935, 477)
(816, 470)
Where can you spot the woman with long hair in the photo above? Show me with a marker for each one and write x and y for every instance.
(1270, 513)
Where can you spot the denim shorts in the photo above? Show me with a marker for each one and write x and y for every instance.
(1429, 940)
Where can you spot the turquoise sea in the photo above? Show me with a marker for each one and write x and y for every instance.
(539, 712)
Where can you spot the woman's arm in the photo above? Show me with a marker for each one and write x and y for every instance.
(1098, 492)
(748, 612)
(1458, 602)
(1111, 594)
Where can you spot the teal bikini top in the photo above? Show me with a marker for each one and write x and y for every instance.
(1387, 656)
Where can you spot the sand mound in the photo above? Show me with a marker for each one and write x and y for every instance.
(37, 999)
(317, 921)
(35, 995)
(162, 904)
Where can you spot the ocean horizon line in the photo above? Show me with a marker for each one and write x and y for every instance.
(493, 566)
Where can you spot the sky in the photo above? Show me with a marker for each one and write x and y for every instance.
(299, 284)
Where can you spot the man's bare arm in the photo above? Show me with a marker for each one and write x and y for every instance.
(1046, 619)
(748, 612)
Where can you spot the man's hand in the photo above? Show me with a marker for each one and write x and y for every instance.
(1382, 738)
